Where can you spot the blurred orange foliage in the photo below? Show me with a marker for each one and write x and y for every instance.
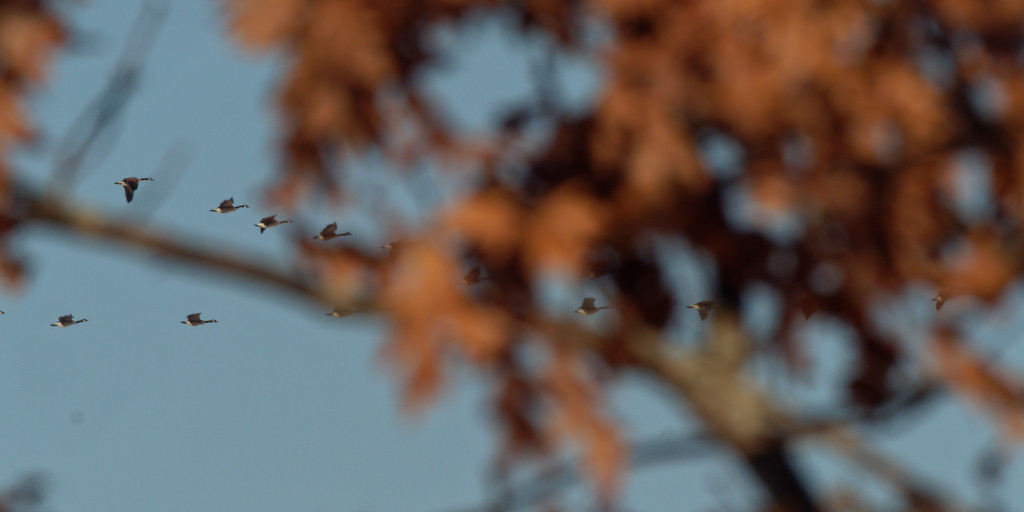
(847, 118)
(845, 127)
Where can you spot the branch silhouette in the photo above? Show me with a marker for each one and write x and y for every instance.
(79, 220)
(754, 425)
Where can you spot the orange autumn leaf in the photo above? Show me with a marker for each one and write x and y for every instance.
(432, 316)
(418, 289)
(605, 457)
(344, 276)
(424, 379)
(576, 416)
(348, 39)
(663, 160)
(561, 229)
(261, 23)
(13, 124)
(773, 191)
(419, 284)
(994, 15)
(27, 40)
(981, 268)
(492, 220)
(12, 270)
(480, 331)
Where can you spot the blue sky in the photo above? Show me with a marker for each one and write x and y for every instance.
(278, 407)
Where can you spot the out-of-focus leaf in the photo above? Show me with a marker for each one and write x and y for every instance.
(432, 316)
(492, 220)
(577, 415)
(562, 229)
(14, 125)
(981, 268)
(262, 23)
(27, 40)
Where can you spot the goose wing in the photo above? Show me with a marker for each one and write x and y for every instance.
(268, 220)
(194, 317)
(227, 203)
(129, 192)
(588, 303)
(132, 183)
(65, 318)
(330, 229)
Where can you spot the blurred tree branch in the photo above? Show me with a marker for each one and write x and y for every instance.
(28, 494)
(98, 122)
(33, 208)
(835, 190)
(555, 477)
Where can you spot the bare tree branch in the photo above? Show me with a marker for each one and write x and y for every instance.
(87, 223)
(561, 475)
(96, 123)
(918, 494)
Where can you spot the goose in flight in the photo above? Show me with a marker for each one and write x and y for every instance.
(228, 206)
(588, 308)
(194, 320)
(339, 312)
(67, 320)
(268, 222)
(130, 186)
(703, 307)
(940, 298)
(328, 232)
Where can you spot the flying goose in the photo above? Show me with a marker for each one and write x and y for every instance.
(269, 222)
(228, 206)
(703, 307)
(472, 277)
(194, 320)
(67, 320)
(130, 185)
(940, 298)
(588, 308)
(339, 312)
(328, 232)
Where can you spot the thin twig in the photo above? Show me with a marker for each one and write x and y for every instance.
(561, 475)
(96, 123)
(87, 223)
(918, 494)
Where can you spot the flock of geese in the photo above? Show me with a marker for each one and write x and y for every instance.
(588, 307)
(704, 307)
(131, 184)
(330, 232)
